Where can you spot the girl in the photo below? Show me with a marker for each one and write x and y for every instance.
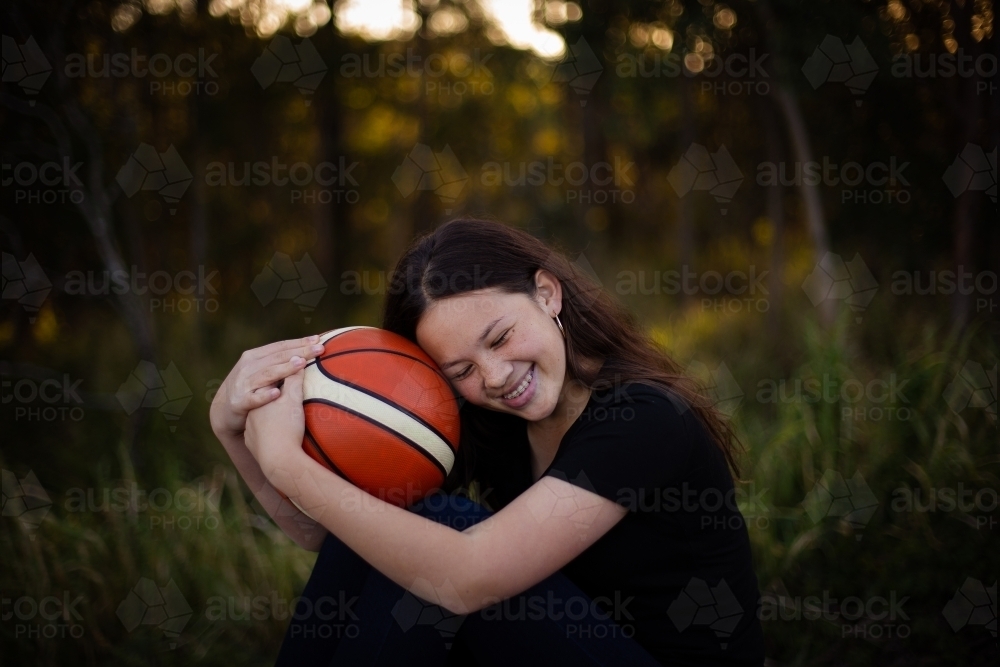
(590, 518)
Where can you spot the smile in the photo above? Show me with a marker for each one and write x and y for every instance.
(521, 387)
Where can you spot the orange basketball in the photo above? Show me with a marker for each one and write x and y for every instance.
(380, 414)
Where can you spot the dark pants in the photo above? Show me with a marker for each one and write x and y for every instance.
(351, 614)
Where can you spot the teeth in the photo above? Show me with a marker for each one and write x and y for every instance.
(520, 388)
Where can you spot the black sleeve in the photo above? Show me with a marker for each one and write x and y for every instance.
(625, 450)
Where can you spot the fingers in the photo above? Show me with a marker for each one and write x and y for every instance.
(274, 374)
(256, 399)
(265, 368)
(292, 388)
(282, 346)
(307, 352)
(278, 365)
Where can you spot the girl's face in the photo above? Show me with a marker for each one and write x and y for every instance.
(500, 351)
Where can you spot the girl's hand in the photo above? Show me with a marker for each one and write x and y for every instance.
(274, 431)
(255, 380)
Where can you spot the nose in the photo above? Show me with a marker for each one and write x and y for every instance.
(496, 374)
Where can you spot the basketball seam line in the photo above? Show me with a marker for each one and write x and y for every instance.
(319, 450)
(382, 349)
(430, 457)
(391, 402)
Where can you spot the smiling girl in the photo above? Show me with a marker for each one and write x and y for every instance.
(589, 518)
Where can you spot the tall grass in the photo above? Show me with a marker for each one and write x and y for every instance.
(230, 552)
(217, 549)
(909, 452)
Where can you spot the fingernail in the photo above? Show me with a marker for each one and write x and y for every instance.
(314, 339)
(296, 360)
(317, 348)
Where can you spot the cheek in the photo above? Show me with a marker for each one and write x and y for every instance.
(464, 389)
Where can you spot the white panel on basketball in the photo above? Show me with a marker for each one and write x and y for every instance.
(316, 385)
(336, 332)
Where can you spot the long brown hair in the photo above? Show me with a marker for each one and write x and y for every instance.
(463, 255)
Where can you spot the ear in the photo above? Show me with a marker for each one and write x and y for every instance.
(549, 292)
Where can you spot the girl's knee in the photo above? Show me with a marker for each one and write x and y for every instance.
(456, 511)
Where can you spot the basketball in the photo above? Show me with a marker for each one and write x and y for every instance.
(379, 413)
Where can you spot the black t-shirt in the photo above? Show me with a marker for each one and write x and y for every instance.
(679, 564)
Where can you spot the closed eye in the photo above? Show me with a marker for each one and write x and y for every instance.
(468, 369)
(502, 339)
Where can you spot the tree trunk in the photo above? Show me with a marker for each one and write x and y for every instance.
(685, 206)
(775, 211)
(801, 146)
(965, 215)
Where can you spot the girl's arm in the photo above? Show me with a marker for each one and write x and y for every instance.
(252, 383)
(304, 531)
(534, 536)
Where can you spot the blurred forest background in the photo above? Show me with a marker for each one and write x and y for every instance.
(185, 179)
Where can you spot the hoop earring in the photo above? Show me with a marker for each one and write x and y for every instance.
(561, 330)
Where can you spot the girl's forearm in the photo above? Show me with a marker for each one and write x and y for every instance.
(431, 560)
(304, 531)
